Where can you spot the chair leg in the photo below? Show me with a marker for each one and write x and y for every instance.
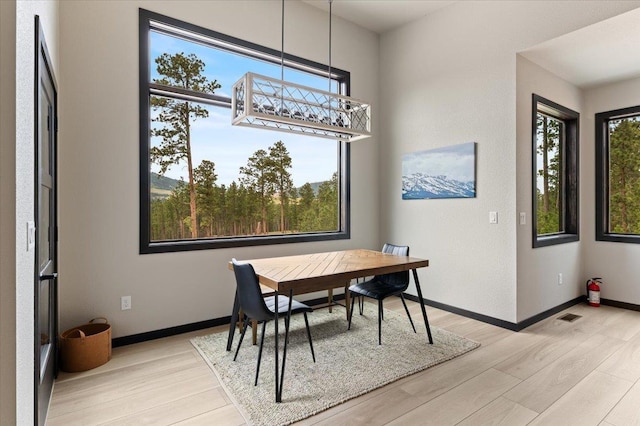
(264, 326)
(286, 326)
(407, 311)
(361, 304)
(380, 322)
(244, 330)
(351, 312)
(306, 322)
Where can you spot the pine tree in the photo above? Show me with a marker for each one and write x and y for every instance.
(549, 196)
(280, 162)
(258, 177)
(205, 182)
(328, 204)
(184, 72)
(624, 176)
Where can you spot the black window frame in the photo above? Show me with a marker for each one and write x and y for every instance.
(150, 20)
(570, 172)
(602, 174)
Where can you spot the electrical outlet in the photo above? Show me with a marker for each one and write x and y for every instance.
(560, 278)
(125, 303)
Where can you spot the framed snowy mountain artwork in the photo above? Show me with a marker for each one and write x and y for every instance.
(447, 172)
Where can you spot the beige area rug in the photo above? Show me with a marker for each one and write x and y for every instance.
(348, 363)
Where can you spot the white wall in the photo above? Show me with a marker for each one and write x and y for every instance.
(99, 260)
(616, 263)
(7, 212)
(538, 269)
(18, 194)
(450, 78)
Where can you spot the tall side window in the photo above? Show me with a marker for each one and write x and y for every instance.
(618, 175)
(555, 173)
(207, 184)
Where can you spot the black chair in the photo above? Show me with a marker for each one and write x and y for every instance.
(262, 309)
(382, 286)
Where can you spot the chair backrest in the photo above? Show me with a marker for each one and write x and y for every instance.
(396, 278)
(249, 294)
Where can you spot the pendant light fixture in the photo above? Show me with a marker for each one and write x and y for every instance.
(268, 103)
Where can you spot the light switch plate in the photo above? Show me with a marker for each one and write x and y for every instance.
(493, 217)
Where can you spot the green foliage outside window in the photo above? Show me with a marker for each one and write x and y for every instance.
(185, 72)
(624, 176)
(549, 175)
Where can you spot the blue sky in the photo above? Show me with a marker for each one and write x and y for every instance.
(314, 159)
(455, 162)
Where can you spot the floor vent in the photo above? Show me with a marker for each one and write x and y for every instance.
(569, 317)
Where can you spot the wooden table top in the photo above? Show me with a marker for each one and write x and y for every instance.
(319, 271)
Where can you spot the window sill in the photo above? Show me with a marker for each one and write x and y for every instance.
(552, 240)
(619, 238)
(189, 245)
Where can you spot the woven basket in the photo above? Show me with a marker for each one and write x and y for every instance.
(85, 347)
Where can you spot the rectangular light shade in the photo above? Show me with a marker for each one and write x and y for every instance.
(268, 103)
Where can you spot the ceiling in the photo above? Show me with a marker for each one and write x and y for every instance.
(600, 53)
(380, 16)
(597, 54)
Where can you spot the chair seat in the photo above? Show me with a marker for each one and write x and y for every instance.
(283, 305)
(376, 289)
(382, 286)
(250, 299)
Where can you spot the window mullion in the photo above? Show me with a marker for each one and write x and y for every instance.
(188, 95)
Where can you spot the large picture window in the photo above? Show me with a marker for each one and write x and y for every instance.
(207, 184)
(618, 175)
(555, 173)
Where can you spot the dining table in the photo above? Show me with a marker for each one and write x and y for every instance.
(308, 273)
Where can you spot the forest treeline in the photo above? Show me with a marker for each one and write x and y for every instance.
(548, 214)
(261, 201)
(623, 178)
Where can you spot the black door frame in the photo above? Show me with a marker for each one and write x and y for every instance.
(43, 69)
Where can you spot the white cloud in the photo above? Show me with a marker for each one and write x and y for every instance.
(456, 162)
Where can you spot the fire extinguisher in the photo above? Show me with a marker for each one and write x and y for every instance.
(593, 291)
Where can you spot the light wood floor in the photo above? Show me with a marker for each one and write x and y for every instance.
(553, 373)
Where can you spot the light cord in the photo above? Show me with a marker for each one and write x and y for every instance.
(330, 4)
(282, 65)
(282, 46)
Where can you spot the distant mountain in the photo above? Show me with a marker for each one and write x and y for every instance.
(315, 186)
(419, 185)
(163, 182)
(162, 186)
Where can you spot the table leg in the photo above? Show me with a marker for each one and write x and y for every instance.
(240, 318)
(424, 311)
(347, 298)
(286, 340)
(330, 299)
(278, 399)
(234, 320)
(254, 331)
